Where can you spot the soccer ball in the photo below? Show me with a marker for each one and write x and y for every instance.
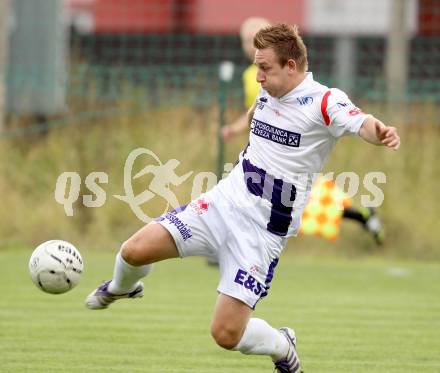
(55, 266)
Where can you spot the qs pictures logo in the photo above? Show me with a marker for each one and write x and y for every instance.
(161, 175)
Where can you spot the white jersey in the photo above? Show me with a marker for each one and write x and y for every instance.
(245, 219)
(291, 138)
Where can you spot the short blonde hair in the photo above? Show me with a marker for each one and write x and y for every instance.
(285, 41)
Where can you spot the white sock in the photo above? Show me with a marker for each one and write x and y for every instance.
(126, 276)
(259, 338)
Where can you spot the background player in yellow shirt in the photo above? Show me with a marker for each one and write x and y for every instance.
(328, 204)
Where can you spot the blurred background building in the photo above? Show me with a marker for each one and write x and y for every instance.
(60, 54)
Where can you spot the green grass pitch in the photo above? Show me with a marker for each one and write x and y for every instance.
(350, 316)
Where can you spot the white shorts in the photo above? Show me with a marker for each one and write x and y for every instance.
(248, 254)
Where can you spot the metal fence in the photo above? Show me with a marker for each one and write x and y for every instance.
(63, 54)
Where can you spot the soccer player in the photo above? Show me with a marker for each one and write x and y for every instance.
(319, 219)
(248, 216)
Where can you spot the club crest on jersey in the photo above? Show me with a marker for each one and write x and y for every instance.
(275, 134)
(260, 103)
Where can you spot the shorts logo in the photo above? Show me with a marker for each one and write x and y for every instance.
(248, 282)
(183, 229)
(254, 269)
(200, 206)
(275, 134)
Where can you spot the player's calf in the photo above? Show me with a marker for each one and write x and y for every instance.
(226, 337)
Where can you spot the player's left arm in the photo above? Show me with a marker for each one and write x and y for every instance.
(376, 132)
(342, 117)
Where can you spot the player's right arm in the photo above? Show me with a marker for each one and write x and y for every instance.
(241, 125)
(251, 88)
(250, 114)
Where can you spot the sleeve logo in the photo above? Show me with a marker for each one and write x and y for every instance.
(307, 100)
(355, 111)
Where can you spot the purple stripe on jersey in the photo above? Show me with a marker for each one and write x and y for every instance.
(263, 185)
(254, 178)
(179, 209)
(281, 213)
(174, 212)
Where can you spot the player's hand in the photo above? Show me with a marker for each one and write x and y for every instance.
(228, 132)
(387, 135)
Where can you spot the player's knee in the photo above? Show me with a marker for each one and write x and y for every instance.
(132, 252)
(225, 337)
